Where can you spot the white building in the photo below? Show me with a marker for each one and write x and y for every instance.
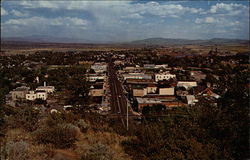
(95, 77)
(164, 76)
(161, 66)
(151, 88)
(99, 67)
(191, 99)
(129, 68)
(149, 66)
(47, 89)
(41, 95)
(166, 91)
(139, 92)
(187, 84)
(136, 76)
(33, 95)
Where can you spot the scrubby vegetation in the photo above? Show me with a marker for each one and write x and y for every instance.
(61, 135)
(58, 135)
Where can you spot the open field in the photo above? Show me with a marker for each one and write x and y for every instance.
(237, 48)
(30, 47)
(175, 50)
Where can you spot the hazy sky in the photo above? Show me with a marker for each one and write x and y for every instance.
(126, 20)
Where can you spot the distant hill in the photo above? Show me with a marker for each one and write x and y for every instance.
(149, 41)
(46, 39)
(167, 41)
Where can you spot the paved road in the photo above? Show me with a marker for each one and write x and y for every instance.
(118, 99)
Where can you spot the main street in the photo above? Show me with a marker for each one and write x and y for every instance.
(118, 100)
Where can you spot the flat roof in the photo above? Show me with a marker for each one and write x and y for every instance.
(45, 87)
(155, 100)
(148, 101)
(22, 88)
(133, 80)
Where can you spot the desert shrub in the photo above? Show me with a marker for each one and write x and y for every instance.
(83, 125)
(61, 135)
(54, 119)
(26, 118)
(98, 151)
(63, 117)
(16, 150)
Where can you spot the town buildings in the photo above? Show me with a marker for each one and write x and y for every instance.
(99, 67)
(164, 76)
(136, 76)
(24, 93)
(19, 93)
(147, 88)
(33, 95)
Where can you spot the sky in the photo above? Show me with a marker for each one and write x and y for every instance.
(118, 21)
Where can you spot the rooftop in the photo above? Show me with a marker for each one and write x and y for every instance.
(22, 88)
(142, 81)
(156, 100)
(148, 100)
(45, 87)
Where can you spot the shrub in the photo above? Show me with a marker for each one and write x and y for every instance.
(83, 125)
(17, 150)
(61, 135)
(98, 151)
(26, 118)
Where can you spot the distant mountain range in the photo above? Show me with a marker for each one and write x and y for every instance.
(167, 41)
(149, 41)
(45, 39)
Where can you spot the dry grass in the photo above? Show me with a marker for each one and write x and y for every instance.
(11, 147)
(18, 134)
(91, 143)
(110, 140)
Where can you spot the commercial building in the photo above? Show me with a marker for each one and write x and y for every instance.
(166, 91)
(151, 88)
(165, 101)
(136, 76)
(96, 90)
(163, 66)
(164, 76)
(99, 67)
(149, 66)
(95, 77)
(187, 84)
(139, 92)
